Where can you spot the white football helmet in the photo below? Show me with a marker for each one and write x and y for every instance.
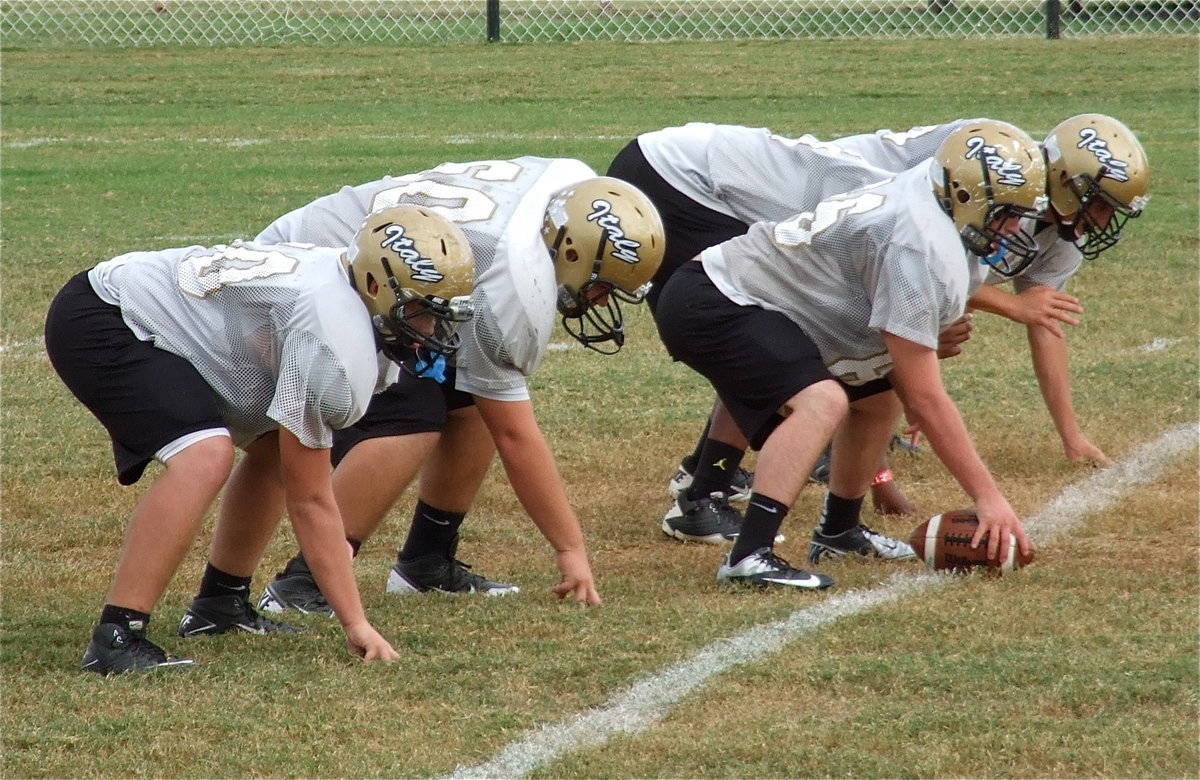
(1094, 159)
(986, 172)
(606, 239)
(407, 262)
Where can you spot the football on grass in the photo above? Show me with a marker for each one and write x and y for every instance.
(944, 543)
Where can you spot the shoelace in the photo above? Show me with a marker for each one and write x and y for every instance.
(260, 621)
(884, 540)
(778, 562)
(142, 648)
(461, 574)
(720, 504)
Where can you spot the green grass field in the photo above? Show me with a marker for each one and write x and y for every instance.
(1083, 665)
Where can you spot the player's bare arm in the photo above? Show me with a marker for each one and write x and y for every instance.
(1050, 364)
(318, 526)
(533, 473)
(1039, 306)
(916, 377)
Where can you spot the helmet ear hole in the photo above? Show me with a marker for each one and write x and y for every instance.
(372, 285)
(962, 196)
(571, 256)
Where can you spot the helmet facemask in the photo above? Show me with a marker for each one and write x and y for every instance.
(447, 316)
(1008, 254)
(1095, 236)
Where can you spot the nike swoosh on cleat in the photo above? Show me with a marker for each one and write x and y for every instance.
(809, 581)
(200, 630)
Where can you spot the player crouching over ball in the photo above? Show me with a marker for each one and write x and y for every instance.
(953, 541)
(825, 328)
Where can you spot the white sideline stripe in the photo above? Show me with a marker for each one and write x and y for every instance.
(646, 702)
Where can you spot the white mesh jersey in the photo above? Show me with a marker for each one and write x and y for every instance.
(500, 205)
(752, 174)
(276, 331)
(898, 151)
(755, 175)
(881, 258)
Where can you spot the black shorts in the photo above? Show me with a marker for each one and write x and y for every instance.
(411, 405)
(755, 359)
(146, 397)
(690, 227)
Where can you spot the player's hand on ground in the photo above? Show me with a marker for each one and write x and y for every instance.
(1047, 307)
(997, 521)
(367, 643)
(951, 339)
(577, 581)
(889, 499)
(1081, 450)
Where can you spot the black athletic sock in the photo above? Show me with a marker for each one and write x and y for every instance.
(764, 517)
(695, 456)
(715, 469)
(432, 531)
(218, 583)
(839, 514)
(125, 617)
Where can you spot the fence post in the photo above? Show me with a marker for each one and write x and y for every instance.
(1053, 19)
(493, 20)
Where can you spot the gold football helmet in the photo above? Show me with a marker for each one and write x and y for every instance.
(606, 240)
(407, 262)
(1094, 159)
(986, 173)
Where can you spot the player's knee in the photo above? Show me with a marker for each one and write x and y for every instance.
(207, 456)
(824, 400)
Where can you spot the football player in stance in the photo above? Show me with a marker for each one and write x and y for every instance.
(1103, 163)
(1099, 179)
(710, 183)
(183, 354)
(826, 326)
(551, 239)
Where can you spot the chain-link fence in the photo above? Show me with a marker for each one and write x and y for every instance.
(225, 22)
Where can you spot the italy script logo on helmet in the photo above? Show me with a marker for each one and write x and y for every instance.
(1112, 168)
(1007, 171)
(422, 268)
(624, 248)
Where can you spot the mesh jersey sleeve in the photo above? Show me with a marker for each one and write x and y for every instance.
(485, 367)
(906, 297)
(312, 394)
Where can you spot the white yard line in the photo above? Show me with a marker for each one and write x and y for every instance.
(648, 701)
(456, 139)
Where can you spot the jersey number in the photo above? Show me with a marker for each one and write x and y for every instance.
(801, 228)
(456, 202)
(203, 273)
